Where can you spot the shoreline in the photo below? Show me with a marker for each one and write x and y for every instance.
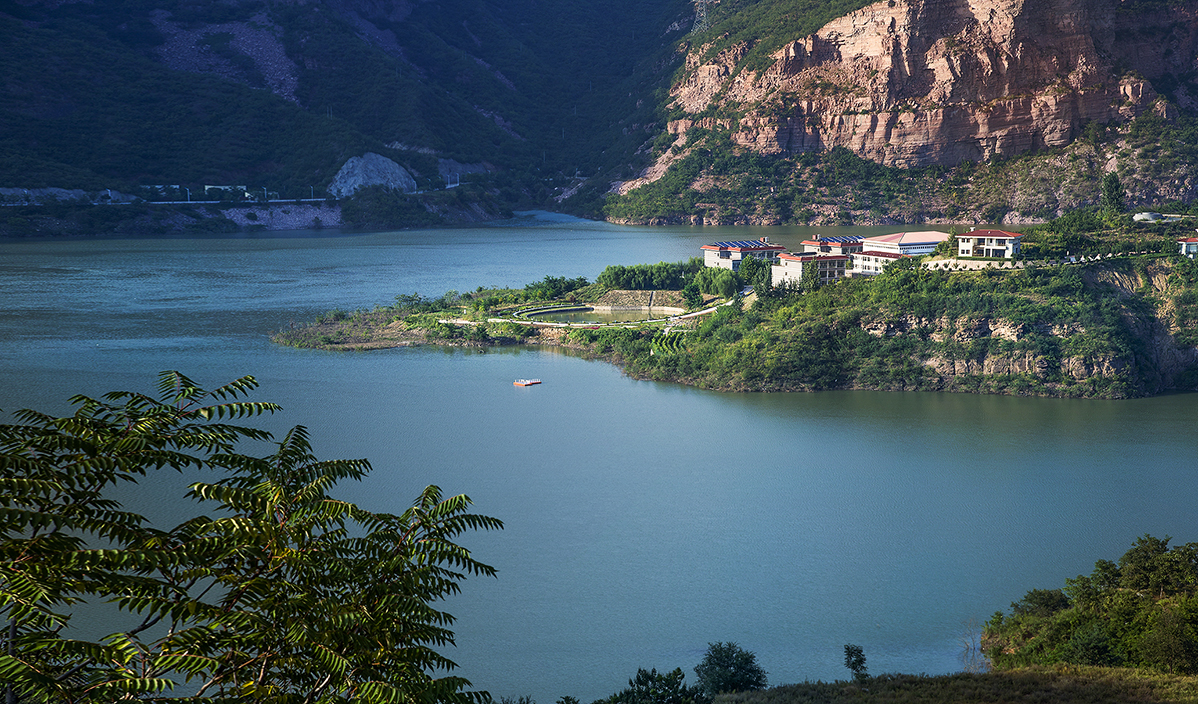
(1078, 331)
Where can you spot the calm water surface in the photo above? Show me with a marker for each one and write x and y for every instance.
(643, 520)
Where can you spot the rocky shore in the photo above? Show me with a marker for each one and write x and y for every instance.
(306, 216)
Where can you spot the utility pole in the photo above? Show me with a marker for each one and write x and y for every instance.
(701, 24)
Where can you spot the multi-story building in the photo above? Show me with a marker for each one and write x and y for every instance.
(988, 243)
(910, 244)
(728, 255)
(790, 268)
(846, 244)
(871, 262)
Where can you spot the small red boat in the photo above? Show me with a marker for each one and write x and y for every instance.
(526, 382)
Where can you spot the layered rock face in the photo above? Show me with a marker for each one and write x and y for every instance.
(918, 82)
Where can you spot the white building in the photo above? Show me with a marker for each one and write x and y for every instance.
(871, 262)
(728, 255)
(1189, 246)
(909, 244)
(840, 244)
(827, 267)
(988, 243)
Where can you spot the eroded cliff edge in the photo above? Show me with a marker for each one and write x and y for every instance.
(918, 82)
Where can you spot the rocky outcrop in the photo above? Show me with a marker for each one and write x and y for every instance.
(286, 217)
(1156, 364)
(370, 169)
(918, 82)
(221, 49)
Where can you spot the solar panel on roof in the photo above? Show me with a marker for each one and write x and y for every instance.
(744, 244)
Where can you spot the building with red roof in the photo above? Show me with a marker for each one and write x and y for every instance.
(1189, 246)
(826, 267)
(728, 255)
(838, 244)
(910, 244)
(988, 243)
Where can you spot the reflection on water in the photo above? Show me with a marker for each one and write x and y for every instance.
(643, 520)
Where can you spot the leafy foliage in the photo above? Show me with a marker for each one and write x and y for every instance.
(726, 667)
(880, 333)
(288, 594)
(1140, 612)
(1113, 195)
(757, 273)
(552, 287)
(854, 659)
(651, 687)
(662, 276)
(718, 281)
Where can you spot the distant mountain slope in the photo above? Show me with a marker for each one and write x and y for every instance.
(116, 93)
(918, 82)
(923, 110)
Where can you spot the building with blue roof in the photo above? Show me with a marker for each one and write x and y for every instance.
(729, 255)
(834, 244)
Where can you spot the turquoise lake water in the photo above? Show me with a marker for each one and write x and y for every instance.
(644, 520)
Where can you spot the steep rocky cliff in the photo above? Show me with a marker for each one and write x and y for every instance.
(917, 82)
(1155, 353)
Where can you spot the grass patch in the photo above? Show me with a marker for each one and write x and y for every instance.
(1061, 685)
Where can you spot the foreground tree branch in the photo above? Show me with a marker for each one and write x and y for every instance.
(286, 595)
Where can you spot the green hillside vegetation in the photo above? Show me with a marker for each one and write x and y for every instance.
(766, 26)
(538, 92)
(135, 121)
(880, 333)
(1032, 685)
(1141, 612)
(839, 187)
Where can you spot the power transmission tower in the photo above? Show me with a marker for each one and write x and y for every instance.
(701, 24)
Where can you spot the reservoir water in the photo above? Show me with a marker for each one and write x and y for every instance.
(644, 520)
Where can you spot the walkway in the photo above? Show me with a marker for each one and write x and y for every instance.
(974, 264)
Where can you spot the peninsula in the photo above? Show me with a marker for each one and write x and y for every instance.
(1116, 324)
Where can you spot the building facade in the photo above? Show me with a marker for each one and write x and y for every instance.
(872, 262)
(988, 243)
(789, 270)
(847, 244)
(909, 244)
(729, 255)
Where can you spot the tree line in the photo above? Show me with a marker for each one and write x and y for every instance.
(1139, 611)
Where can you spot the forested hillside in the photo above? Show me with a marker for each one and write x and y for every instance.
(522, 95)
(779, 112)
(1118, 329)
(922, 111)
